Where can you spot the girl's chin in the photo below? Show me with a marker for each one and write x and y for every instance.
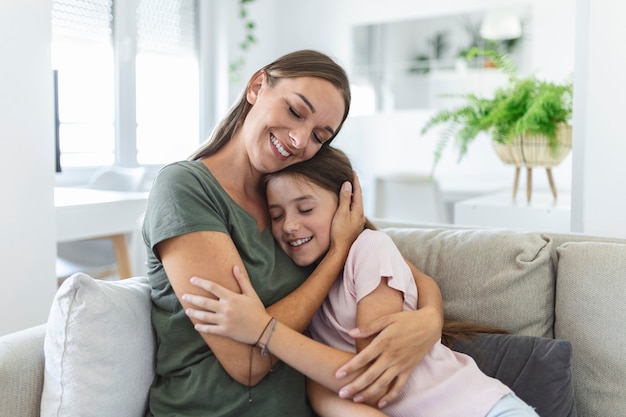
(307, 262)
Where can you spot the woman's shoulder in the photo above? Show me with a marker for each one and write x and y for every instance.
(183, 169)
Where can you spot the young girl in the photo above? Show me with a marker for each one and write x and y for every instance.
(376, 281)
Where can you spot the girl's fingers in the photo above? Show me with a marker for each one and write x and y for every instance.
(202, 302)
(243, 280)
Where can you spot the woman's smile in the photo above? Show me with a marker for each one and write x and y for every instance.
(279, 148)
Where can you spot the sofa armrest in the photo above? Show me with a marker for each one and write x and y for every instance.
(21, 372)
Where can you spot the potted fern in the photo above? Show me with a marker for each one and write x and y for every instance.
(528, 120)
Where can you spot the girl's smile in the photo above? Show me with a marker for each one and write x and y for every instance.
(301, 214)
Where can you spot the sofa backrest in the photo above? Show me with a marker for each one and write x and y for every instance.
(21, 372)
(591, 313)
(503, 279)
(578, 281)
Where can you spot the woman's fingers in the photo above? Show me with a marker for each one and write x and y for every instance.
(357, 197)
(396, 387)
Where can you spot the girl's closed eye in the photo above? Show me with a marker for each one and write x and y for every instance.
(276, 215)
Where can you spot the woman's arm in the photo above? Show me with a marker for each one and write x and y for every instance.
(402, 340)
(185, 256)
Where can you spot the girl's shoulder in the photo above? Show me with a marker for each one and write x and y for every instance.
(374, 237)
(373, 243)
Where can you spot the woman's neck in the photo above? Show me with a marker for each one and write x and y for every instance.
(232, 169)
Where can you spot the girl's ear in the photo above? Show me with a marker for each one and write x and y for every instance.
(254, 86)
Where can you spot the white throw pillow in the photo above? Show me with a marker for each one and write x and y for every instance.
(99, 348)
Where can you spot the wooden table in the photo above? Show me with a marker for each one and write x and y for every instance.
(83, 213)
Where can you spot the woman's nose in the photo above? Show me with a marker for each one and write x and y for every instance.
(299, 137)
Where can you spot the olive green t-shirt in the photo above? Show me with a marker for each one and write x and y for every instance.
(190, 381)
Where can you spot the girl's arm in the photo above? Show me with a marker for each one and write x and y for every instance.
(185, 256)
(242, 317)
(402, 340)
(326, 403)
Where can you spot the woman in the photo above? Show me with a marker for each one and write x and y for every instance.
(206, 215)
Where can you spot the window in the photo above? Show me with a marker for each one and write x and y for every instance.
(167, 81)
(83, 56)
(127, 79)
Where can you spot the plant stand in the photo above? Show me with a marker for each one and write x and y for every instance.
(534, 151)
(529, 182)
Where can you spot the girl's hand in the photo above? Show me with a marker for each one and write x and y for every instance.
(349, 218)
(240, 317)
(402, 341)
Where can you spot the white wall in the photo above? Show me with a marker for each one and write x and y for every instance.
(599, 193)
(391, 142)
(27, 222)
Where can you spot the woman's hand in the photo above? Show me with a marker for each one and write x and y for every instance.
(402, 341)
(349, 218)
(241, 317)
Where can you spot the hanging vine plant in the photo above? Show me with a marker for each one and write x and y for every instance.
(248, 40)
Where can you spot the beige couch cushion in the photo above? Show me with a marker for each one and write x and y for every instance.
(594, 271)
(499, 278)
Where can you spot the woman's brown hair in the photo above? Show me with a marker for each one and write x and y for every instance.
(303, 63)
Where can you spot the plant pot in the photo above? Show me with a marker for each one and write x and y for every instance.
(532, 151)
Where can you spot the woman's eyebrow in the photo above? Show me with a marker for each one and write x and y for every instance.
(310, 106)
(307, 102)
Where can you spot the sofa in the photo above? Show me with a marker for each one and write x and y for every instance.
(559, 296)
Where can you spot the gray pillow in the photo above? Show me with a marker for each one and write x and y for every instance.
(537, 369)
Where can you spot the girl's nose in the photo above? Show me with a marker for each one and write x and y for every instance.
(291, 226)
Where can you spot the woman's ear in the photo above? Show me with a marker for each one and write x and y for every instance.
(254, 86)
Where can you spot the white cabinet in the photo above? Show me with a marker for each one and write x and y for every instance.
(542, 213)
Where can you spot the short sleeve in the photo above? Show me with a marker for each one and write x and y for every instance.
(181, 202)
(373, 256)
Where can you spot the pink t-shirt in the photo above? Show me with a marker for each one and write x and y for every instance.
(445, 383)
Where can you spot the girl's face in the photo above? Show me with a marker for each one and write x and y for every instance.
(289, 121)
(301, 214)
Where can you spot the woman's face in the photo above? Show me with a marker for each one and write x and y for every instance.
(288, 122)
(301, 214)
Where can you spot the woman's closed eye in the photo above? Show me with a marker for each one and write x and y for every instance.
(294, 113)
(297, 115)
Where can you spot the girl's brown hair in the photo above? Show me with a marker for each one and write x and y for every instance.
(304, 63)
(329, 169)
